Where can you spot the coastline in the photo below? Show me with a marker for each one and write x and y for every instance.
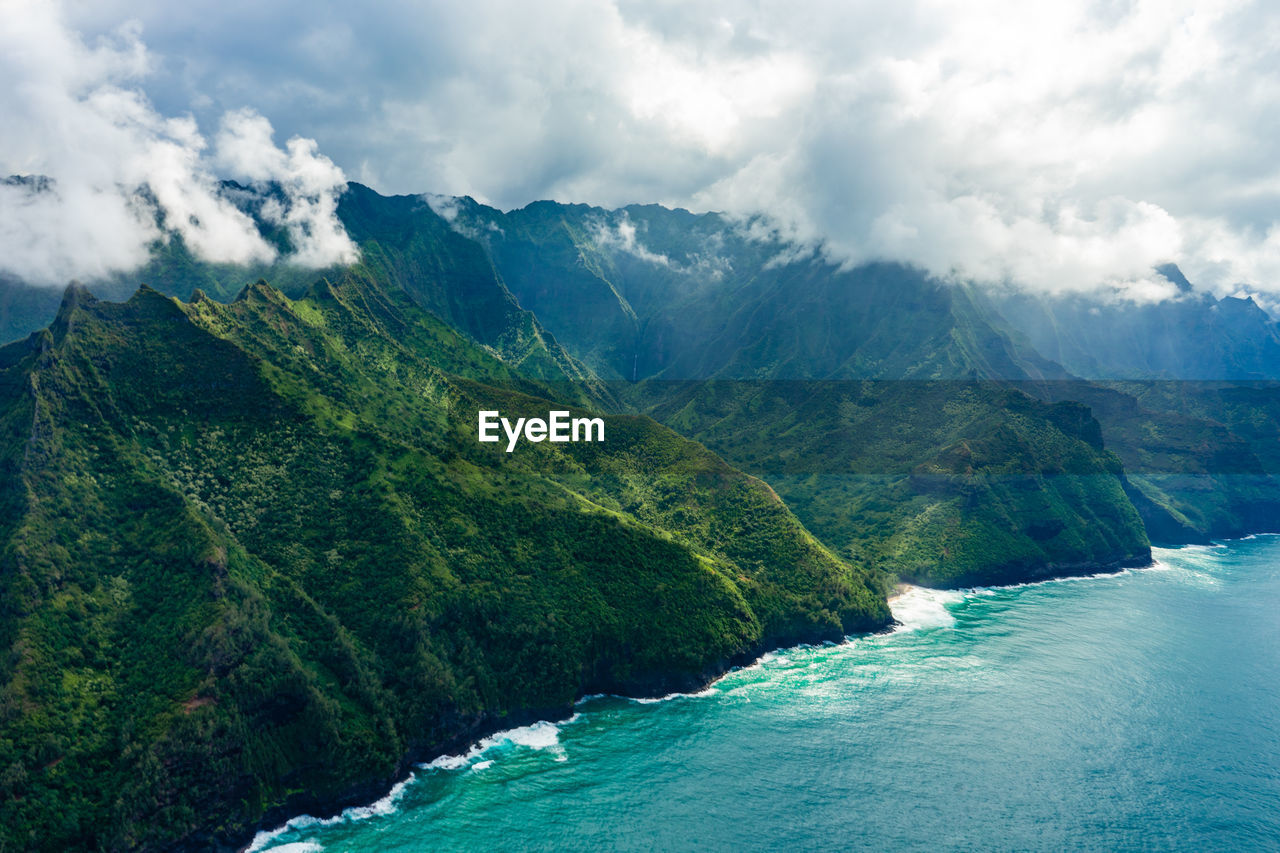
(370, 794)
(996, 649)
(382, 798)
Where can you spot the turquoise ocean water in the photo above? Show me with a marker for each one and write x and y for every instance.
(1138, 711)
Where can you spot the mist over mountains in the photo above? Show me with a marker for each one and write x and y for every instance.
(628, 285)
(995, 144)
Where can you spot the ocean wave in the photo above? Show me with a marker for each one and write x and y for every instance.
(538, 736)
(1193, 547)
(653, 700)
(385, 806)
(917, 608)
(1156, 565)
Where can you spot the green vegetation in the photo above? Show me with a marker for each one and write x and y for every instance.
(947, 483)
(1200, 456)
(253, 557)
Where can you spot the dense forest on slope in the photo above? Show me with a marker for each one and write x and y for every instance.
(947, 483)
(254, 558)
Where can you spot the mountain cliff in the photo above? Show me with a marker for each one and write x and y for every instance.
(253, 561)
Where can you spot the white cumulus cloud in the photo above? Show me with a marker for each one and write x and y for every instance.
(123, 175)
(310, 181)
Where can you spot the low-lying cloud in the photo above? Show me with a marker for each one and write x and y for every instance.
(310, 182)
(121, 175)
(621, 237)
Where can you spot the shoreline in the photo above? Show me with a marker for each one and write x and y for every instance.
(277, 819)
(488, 726)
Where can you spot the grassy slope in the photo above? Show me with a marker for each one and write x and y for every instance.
(253, 557)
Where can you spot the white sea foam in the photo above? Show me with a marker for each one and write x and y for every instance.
(1156, 565)
(709, 691)
(451, 762)
(653, 700)
(539, 735)
(916, 608)
(385, 806)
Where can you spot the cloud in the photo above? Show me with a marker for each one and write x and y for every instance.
(311, 184)
(451, 210)
(1059, 150)
(444, 206)
(621, 237)
(123, 175)
(1063, 147)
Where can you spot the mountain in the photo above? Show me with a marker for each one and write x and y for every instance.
(623, 309)
(1192, 336)
(646, 292)
(945, 483)
(253, 561)
(1185, 394)
(875, 400)
(787, 365)
(402, 241)
(570, 293)
(1200, 457)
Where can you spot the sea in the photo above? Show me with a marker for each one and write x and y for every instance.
(1130, 711)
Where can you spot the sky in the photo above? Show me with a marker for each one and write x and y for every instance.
(1059, 147)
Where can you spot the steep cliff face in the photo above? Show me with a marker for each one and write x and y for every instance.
(254, 557)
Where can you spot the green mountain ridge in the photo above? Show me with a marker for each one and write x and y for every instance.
(595, 301)
(710, 301)
(255, 561)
